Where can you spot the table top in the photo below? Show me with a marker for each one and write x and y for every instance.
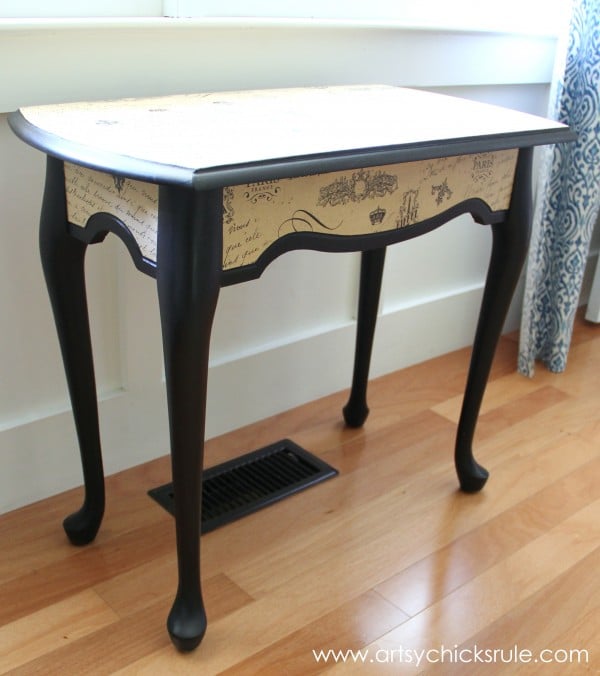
(215, 139)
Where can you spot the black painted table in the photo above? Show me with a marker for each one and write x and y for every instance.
(207, 189)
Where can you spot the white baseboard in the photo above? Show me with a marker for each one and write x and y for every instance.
(297, 372)
(39, 457)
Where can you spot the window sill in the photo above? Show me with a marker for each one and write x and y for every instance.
(186, 23)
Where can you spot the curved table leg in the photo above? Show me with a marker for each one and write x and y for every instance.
(371, 272)
(63, 265)
(509, 249)
(188, 280)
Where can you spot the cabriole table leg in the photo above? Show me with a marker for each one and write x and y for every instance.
(509, 249)
(63, 265)
(188, 280)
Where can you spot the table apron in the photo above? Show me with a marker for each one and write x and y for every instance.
(358, 202)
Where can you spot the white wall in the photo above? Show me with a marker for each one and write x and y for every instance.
(289, 334)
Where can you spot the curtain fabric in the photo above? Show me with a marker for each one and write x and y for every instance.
(568, 198)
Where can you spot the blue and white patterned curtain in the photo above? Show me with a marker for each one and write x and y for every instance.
(568, 198)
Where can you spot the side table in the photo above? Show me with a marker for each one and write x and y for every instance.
(207, 189)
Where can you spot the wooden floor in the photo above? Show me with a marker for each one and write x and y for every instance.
(387, 557)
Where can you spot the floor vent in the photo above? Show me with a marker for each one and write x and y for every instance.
(255, 480)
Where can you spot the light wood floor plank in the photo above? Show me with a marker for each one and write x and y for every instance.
(463, 613)
(387, 553)
(430, 579)
(421, 511)
(52, 627)
(544, 622)
(352, 624)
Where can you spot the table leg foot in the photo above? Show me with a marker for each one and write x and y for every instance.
(471, 475)
(186, 623)
(371, 272)
(355, 413)
(82, 526)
